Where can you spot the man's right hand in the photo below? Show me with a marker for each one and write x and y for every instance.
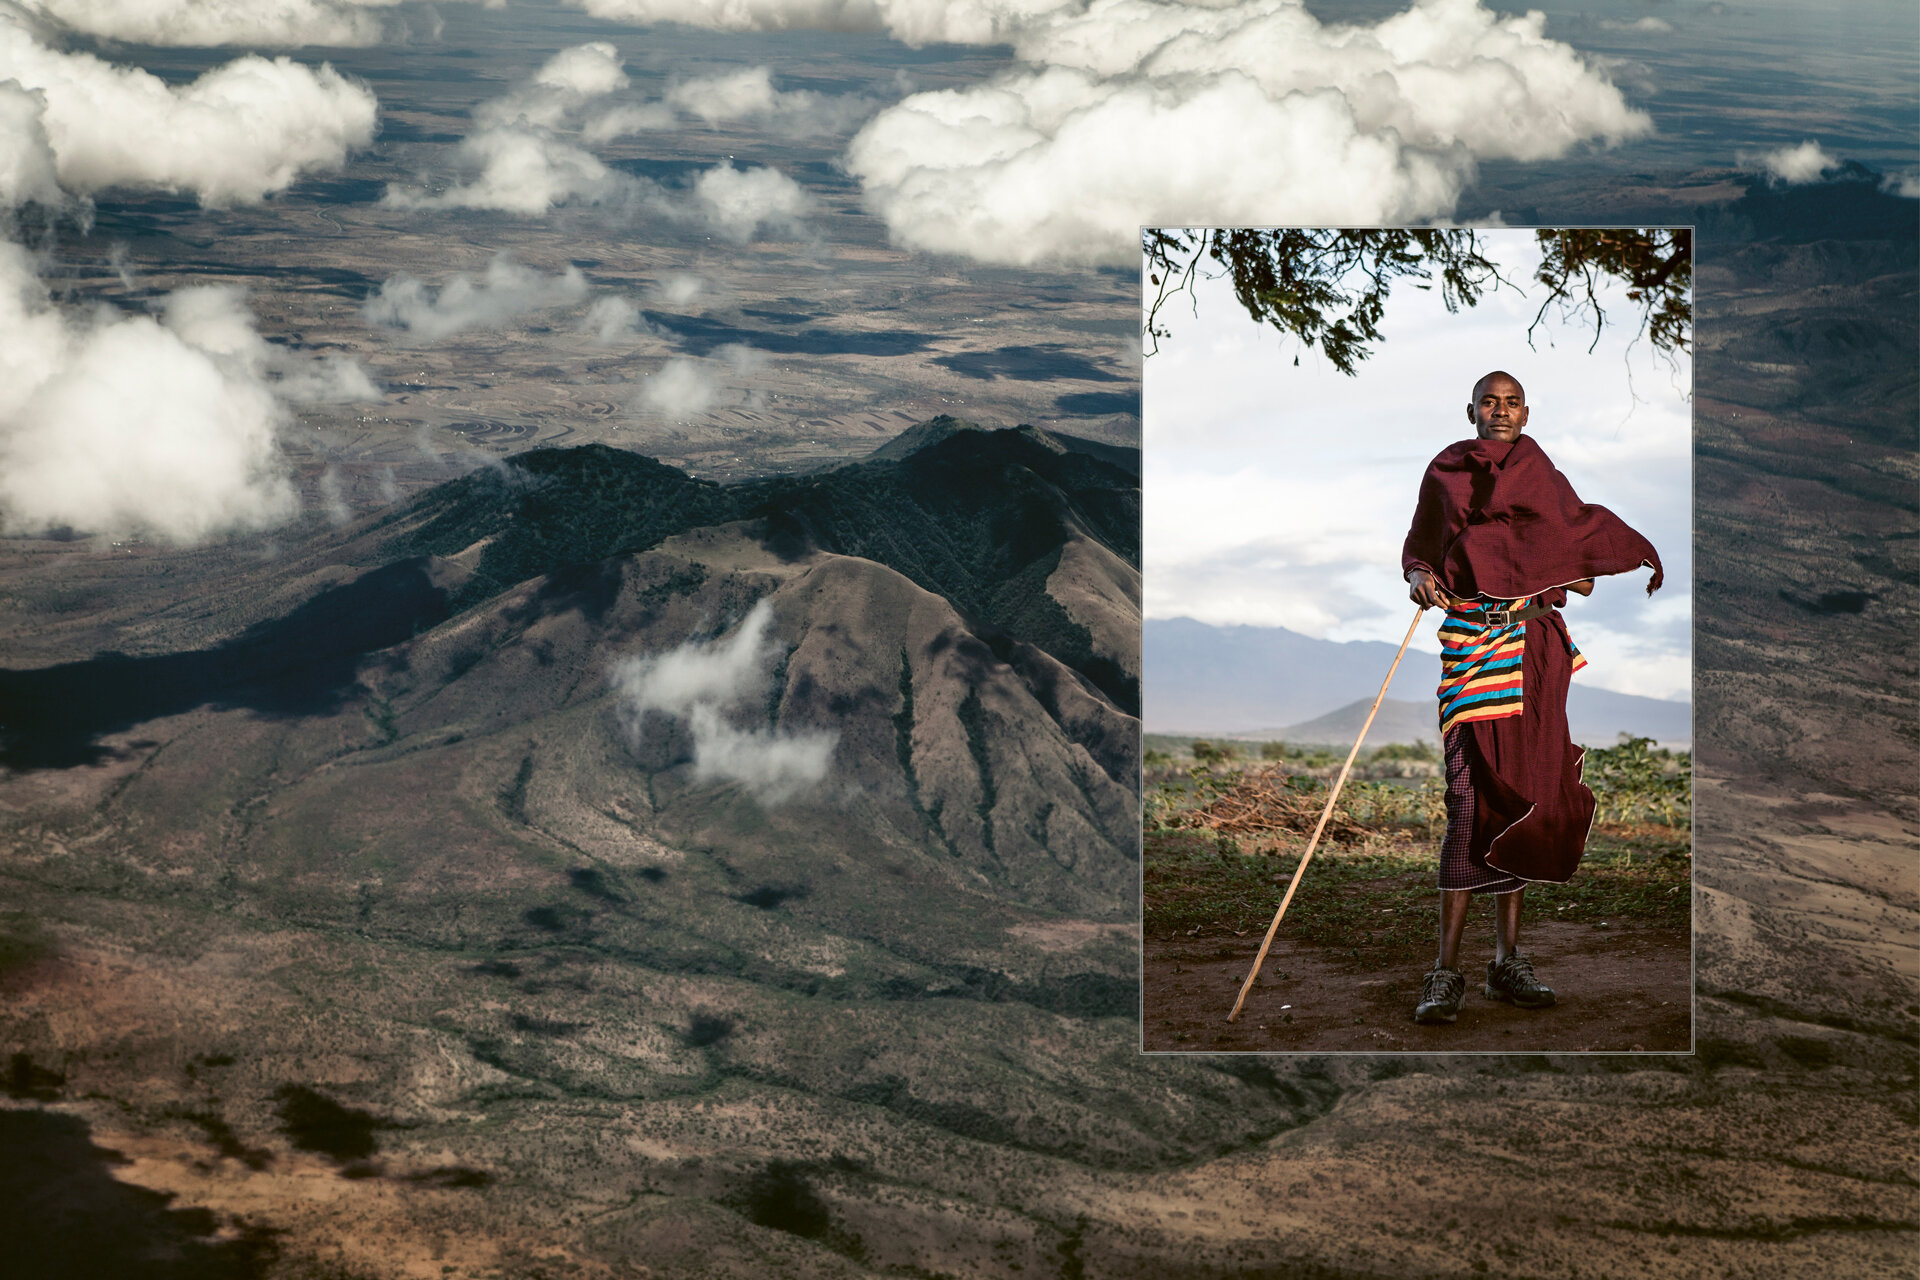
(1424, 591)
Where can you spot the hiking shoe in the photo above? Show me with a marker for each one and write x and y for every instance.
(1441, 994)
(1512, 979)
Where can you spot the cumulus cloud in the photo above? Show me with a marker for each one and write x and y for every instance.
(914, 22)
(215, 319)
(679, 290)
(1121, 112)
(126, 425)
(686, 387)
(235, 134)
(618, 122)
(208, 23)
(612, 318)
(734, 95)
(1650, 24)
(737, 203)
(564, 84)
(1141, 110)
(683, 388)
(27, 167)
(519, 161)
(504, 291)
(749, 94)
(1793, 165)
(522, 169)
(698, 683)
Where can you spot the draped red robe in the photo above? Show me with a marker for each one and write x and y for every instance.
(1497, 520)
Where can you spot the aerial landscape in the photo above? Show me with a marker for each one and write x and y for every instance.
(571, 679)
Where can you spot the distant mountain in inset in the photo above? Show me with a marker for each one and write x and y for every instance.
(1595, 717)
(1203, 678)
(1272, 683)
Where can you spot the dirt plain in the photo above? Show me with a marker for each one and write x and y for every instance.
(624, 1106)
(1619, 990)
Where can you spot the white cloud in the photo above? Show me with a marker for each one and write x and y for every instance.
(1651, 24)
(612, 318)
(1804, 163)
(208, 23)
(122, 425)
(726, 97)
(333, 497)
(1131, 111)
(686, 387)
(588, 70)
(506, 290)
(235, 134)
(562, 86)
(680, 290)
(683, 388)
(749, 94)
(697, 682)
(738, 202)
(618, 122)
(525, 170)
(215, 319)
(27, 167)
(519, 163)
(914, 22)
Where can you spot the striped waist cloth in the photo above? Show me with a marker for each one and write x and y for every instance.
(1481, 648)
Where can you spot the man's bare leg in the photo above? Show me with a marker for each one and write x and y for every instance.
(1453, 921)
(1444, 986)
(1510, 975)
(1506, 924)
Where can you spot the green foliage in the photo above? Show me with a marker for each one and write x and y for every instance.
(1655, 264)
(1633, 782)
(1329, 288)
(1325, 287)
(1420, 752)
(1381, 907)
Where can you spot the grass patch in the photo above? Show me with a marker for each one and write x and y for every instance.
(1378, 905)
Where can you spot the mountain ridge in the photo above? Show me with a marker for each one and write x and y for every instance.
(1274, 683)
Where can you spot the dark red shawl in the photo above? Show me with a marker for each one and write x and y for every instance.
(1497, 519)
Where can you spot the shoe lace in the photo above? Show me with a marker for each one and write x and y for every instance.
(1518, 970)
(1439, 985)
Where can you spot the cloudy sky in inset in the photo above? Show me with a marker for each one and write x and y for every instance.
(1279, 495)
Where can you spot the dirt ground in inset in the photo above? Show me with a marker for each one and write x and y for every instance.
(1623, 989)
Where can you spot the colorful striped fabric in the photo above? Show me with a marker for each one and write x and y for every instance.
(1480, 663)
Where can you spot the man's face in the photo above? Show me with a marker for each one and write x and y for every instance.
(1499, 408)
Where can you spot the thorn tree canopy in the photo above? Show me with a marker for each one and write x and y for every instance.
(1329, 287)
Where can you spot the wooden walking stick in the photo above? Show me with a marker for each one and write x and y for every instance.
(1326, 813)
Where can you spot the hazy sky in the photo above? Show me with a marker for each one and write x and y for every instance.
(1279, 495)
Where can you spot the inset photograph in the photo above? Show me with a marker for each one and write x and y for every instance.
(1418, 663)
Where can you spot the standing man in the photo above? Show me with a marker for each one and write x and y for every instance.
(1498, 539)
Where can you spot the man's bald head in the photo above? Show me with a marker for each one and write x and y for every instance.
(1481, 385)
(1499, 407)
